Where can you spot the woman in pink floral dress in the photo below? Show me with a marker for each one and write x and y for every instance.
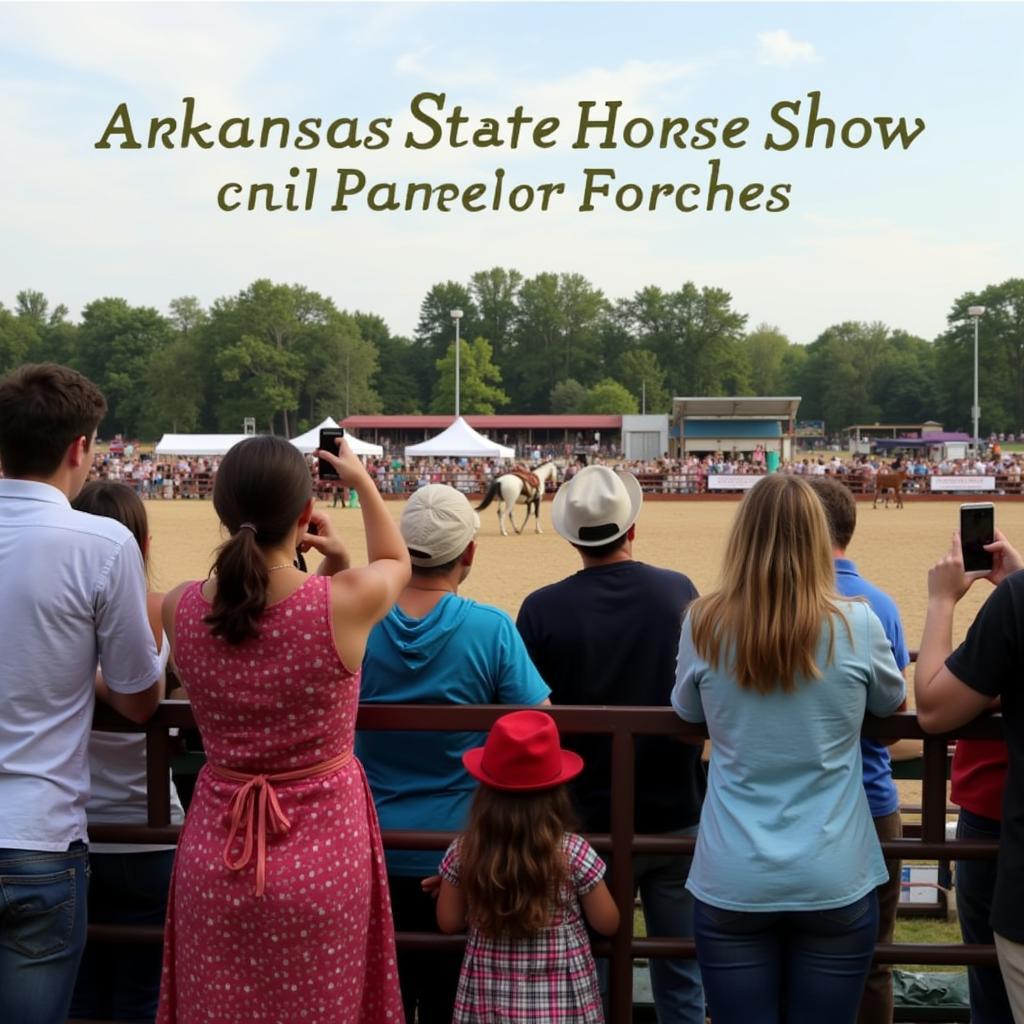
(279, 908)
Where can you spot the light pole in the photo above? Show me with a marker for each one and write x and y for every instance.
(975, 313)
(457, 316)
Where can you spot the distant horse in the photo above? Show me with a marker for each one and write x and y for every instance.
(511, 489)
(886, 483)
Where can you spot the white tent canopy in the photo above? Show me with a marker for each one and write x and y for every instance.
(460, 440)
(197, 444)
(310, 440)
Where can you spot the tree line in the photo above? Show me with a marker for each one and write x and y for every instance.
(553, 343)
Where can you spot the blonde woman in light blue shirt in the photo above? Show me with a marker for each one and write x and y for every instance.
(783, 669)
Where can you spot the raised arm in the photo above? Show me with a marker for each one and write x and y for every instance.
(943, 700)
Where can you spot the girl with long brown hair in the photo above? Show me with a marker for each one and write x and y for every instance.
(787, 861)
(524, 883)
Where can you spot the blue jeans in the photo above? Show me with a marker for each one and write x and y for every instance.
(786, 967)
(668, 913)
(121, 981)
(42, 931)
(975, 883)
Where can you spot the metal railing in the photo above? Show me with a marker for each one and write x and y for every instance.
(621, 724)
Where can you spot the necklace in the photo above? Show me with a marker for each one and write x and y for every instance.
(283, 565)
(432, 590)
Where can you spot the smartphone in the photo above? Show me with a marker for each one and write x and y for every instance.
(329, 443)
(977, 528)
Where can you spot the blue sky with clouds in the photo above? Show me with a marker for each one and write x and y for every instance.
(893, 236)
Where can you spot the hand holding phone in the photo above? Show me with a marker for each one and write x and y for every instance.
(977, 528)
(329, 443)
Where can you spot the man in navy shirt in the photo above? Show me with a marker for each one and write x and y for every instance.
(883, 798)
(608, 634)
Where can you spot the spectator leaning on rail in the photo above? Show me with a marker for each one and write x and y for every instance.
(787, 862)
(434, 647)
(73, 590)
(608, 635)
(953, 687)
(883, 797)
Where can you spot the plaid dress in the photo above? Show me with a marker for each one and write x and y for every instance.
(548, 978)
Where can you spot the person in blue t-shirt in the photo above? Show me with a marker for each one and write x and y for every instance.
(883, 797)
(434, 647)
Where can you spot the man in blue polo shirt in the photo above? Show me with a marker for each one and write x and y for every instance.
(434, 647)
(883, 797)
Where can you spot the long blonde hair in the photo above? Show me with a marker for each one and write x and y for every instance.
(778, 588)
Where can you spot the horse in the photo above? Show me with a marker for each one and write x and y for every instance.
(886, 482)
(511, 489)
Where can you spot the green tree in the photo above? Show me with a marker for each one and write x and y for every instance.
(480, 380)
(266, 379)
(568, 396)
(187, 314)
(174, 388)
(611, 398)
(640, 373)
(17, 340)
(393, 382)
(557, 335)
(765, 348)
(695, 333)
(495, 292)
(116, 342)
(56, 338)
(287, 319)
(339, 369)
(842, 377)
(1000, 359)
(435, 332)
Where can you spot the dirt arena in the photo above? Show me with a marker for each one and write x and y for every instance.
(893, 548)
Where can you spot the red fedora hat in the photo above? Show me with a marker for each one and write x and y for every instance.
(522, 753)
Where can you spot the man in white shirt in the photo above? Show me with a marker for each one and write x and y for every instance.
(72, 594)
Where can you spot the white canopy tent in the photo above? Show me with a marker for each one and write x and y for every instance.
(462, 441)
(197, 444)
(310, 440)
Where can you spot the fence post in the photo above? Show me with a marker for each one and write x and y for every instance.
(933, 789)
(622, 786)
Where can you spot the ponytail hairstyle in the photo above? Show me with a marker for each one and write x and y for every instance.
(260, 490)
(512, 867)
(116, 500)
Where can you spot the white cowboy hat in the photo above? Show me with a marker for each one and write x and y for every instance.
(596, 506)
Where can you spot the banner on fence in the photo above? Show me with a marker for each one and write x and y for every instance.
(919, 885)
(963, 483)
(732, 481)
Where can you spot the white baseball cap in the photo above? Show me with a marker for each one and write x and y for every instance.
(437, 525)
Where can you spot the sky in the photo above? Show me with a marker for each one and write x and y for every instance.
(869, 234)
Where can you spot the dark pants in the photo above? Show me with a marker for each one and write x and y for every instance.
(42, 931)
(975, 883)
(429, 980)
(122, 981)
(876, 1002)
(785, 967)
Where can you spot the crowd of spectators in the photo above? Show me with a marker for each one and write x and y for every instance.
(192, 477)
(281, 840)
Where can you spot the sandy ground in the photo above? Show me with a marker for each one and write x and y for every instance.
(893, 548)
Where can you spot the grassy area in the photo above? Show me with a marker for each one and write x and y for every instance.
(927, 930)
